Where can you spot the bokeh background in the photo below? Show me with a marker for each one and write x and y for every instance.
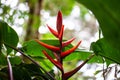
(30, 17)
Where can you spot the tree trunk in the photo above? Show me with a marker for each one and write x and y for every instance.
(35, 7)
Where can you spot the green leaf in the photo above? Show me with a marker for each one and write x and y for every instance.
(33, 49)
(21, 73)
(16, 60)
(97, 72)
(107, 13)
(8, 36)
(4, 73)
(103, 48)
(28, 71)
(44, 62)
(3, 61)
(108, 62)
(83, 55)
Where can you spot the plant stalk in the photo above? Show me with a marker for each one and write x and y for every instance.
(10, 69)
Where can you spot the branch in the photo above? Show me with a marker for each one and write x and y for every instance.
(30, 60)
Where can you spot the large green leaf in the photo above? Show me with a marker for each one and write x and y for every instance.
(8, 36)
(34, 50)
(107, 13)
(83, 55)
(102, 48)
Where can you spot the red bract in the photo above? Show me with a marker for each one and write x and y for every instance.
(61, 33)
(59, 22)
(67, 42)
(56, 63)
(57, 51)
(53, 31)
(69, 74)
(53, 48)
(64, 54)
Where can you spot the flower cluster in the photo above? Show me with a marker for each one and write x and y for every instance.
(57, 50)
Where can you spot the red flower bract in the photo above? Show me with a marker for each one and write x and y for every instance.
(56, 63)
(50, 47)
(64, 54)
(59, 21)
(53, 31)
(67, 42)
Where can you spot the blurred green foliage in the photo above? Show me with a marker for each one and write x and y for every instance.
(55, 5)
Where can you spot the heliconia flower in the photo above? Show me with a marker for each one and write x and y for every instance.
(61, 33)
(67, 42)
(56, 63)
(52, 48)
(57, 51)
(59, 21)
(64, 54)
(55, 33)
